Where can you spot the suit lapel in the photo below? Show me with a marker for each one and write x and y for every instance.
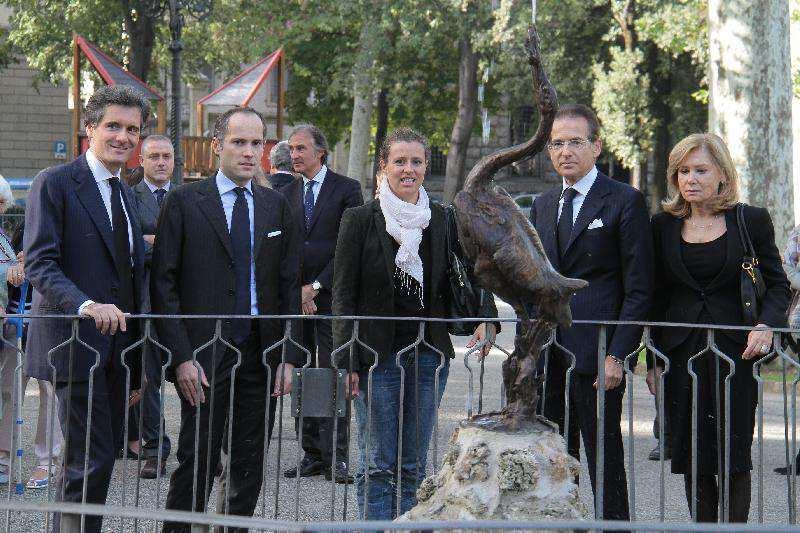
(733, 261)
(385, 238)
(324, 194)
(148, 199)
(673, 252)
(210, 204)
(592, 205)
(89, 195)
(261, 218)
(546, 227)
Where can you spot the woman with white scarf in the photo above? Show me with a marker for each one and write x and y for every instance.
(391, 261)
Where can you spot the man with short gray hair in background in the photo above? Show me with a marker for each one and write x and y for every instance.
(280, 166)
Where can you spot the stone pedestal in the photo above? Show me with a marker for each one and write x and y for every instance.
(500, 475)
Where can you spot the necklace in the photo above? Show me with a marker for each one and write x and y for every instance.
(704, 226)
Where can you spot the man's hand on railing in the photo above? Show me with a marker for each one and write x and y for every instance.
(15, 274)
(309, 308)
(107, 317)
(351, 385)
(135, 397)
(187, 377)
(653, 377)
(759, 343)
(483, 332)
(613, 373)
(283, 379)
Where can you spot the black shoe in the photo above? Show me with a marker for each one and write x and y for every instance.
(342, 477)
(655, 454)
(130, 455)
(149, 470)
(308, 467)
(782, 470)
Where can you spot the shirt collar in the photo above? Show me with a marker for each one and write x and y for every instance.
(225, 184)
(583, 185)
(99, 171)
(319, 177)
(153, 188)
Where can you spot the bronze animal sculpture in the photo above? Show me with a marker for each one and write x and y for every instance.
(509, 259)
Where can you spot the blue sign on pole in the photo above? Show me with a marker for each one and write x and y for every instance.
(60, 149)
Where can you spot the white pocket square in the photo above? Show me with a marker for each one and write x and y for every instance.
(273, 233)
(596, 223)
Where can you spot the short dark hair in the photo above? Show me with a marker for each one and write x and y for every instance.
(121, 95)
(221, 125)
(317, 138)
(406, 135)
(581, 111)
(155, 138)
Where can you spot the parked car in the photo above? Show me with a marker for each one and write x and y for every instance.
(525, 202)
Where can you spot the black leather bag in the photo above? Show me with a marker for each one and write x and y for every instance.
(465, 300)
(752, 282)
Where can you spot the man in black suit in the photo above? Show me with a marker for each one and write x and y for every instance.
(84, 255)
(596, 229)
(318, 202)
(157, 161)
(280, 166)
(225, 246)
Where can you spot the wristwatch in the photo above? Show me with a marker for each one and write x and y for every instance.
(316, 285)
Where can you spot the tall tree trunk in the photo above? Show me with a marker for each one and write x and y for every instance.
(362, 108)
(382, 124)
(750, 106)
(661, 85)
(141, 31)
(462, 128)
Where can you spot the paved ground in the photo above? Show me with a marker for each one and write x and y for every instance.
(312, 499)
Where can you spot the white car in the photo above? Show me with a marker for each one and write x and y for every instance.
(525, 202)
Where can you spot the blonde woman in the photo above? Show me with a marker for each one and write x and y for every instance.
(698, 255)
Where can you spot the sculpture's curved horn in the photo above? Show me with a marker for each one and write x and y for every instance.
(547, 101)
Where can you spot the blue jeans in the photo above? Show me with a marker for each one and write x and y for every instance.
(385, 432)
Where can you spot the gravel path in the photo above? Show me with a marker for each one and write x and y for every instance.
(317, 502)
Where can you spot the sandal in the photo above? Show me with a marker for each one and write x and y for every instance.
(38, 483)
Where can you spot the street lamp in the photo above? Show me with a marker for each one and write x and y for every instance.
(178, 9)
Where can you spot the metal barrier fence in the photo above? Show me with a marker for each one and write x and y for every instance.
(300, 504)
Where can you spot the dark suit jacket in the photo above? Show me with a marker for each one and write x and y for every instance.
(364, 284)
(616, 259)
(678, 297)
(70, 259)
(192, 270)
(148, 213)
(280, 179)
(337, 194)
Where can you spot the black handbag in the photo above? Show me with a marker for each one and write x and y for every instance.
(465, 300)
(752, 282)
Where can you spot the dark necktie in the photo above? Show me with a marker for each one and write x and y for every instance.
(240, 237)
(122, 249)
(308, 203)
(565, 220)
(160, 196)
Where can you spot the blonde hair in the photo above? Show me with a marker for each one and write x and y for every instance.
(728, 193)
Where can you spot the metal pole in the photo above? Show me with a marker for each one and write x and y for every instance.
(175, 46)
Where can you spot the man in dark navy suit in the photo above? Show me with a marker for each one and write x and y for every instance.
(318, 201)
(84, 255)
(280, 166)
(596, 229)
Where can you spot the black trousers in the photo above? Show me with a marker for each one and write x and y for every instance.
(149, 411)
(583, 420)
(318, 432)
(109, 401)
(246, 449)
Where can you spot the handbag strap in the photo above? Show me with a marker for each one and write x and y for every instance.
(744, 234)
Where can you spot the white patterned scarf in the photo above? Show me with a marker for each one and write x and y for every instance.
(791, 263)
(405, 222)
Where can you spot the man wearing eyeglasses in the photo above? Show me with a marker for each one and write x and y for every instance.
(597, 229)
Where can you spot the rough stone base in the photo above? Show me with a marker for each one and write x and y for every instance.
(500, 475)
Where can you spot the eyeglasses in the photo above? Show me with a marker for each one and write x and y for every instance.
(555, 146)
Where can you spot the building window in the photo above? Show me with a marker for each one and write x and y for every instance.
(522, 123)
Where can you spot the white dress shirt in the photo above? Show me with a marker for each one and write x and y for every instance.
(581, 187)
(318, 179)
(226, 187)
(153, 188)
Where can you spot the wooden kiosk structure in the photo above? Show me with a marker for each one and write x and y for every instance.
(112, 73)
